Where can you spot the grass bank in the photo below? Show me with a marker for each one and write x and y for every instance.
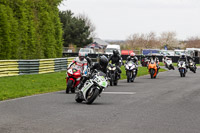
(26, 85)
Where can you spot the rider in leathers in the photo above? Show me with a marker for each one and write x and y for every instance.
(154, 58)
(101, 66)
(117, 60)
(133, 58)
(80, 63)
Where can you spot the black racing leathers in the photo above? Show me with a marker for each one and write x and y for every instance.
(115, 59)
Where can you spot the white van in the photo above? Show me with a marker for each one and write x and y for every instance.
(110, 48)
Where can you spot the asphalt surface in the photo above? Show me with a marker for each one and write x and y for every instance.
(168, 104)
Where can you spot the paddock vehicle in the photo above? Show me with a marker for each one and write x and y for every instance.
(192, 66)
(131, 71)
(168, 64)
(92, 88)
(153, 70)
(113, 74)
(73, 79)
(182, 68)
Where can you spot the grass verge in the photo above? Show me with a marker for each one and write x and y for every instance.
(27, 85)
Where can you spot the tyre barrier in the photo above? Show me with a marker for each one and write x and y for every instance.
(37, 66)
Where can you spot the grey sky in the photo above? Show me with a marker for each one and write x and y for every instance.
(117, 19)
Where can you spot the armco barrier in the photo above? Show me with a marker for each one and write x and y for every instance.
(38, 66)
(8, 68)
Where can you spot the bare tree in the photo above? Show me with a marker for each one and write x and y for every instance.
(169, 39)
(193, 42)
(92, 27)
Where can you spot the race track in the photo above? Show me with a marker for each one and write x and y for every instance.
(168, 104)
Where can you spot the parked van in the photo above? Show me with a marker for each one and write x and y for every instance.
(110, 48)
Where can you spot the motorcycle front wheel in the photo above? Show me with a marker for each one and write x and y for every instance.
(69, 86)
(92, 95)
(152, 71)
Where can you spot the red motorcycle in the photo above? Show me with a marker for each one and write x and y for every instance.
(73, 79)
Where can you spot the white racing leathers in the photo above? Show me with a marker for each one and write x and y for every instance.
(80, 65)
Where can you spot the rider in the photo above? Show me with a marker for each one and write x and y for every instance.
(183, 58)
(101, 66)
(89, 61)
(115, 59)
(154, 58)
(133, 58)
(80, 63)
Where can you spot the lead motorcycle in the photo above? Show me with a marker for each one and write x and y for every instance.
(182, 68)
(92, 88)
(131, 71)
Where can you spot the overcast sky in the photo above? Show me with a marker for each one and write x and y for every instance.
(117, 19)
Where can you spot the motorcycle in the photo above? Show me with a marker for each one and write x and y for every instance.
(192, 66)
(144, 62)
(92, 88)
(153, 70)
(182, 68)
(112, 74)
(168, 64)
(131, 71)
(73, 79)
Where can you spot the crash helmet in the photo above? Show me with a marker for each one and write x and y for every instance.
(81, 56)
(103, 61)
(182, 55)
(132, 54)
(115, 52)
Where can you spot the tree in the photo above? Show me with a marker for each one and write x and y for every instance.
(75, 30)
(169, 39)
(193, 42)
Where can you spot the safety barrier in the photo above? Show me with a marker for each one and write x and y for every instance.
(38, 66)
(8, 68)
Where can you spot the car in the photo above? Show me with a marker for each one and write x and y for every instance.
(110, 48)
(86, 51)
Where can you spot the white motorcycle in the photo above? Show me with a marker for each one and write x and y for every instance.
(192, 66)
(168, 64)
(182, 68)
(131, 71)
(92, 88)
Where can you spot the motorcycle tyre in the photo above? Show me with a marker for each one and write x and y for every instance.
(78, 100)
(93, 97)
(69, 86)
(152, 71)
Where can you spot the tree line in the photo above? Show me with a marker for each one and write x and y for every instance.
(152, 41)
(35, 29)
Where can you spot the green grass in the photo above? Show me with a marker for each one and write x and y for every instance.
(26, 85)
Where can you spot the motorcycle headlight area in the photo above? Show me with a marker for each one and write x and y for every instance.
(109, 68)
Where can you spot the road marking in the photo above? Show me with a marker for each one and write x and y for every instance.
(123, 93)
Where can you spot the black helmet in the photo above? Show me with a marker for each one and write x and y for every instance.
(182, 55)
(115, 52)
(103, 61)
